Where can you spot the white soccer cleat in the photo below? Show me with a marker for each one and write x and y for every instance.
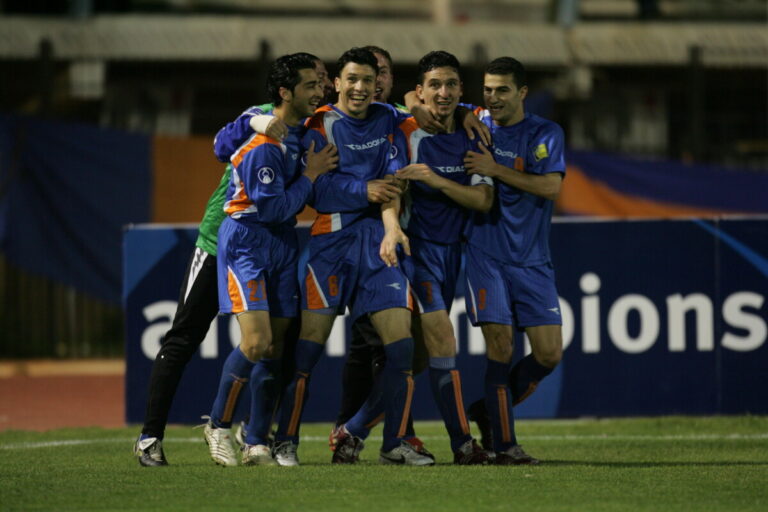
(405, 455)
(240, 434)
(285, 453)
(219, 441)
(257, 455)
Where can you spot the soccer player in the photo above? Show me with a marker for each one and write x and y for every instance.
(510, 278)
(353, 260)
(258, 256)
(198, 303)
(440, 194)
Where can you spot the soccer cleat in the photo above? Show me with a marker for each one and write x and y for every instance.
(406, 455)
(240, 433)
(219, 441)
(285, 453)
(257, 455)
(515, 456)
(418, 445)
(479, 414)
(470, 454)
(346, 447)
(149, 451)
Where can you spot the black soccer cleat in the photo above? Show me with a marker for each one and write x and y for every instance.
(149, 451)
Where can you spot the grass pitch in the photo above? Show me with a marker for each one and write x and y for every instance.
(653, 464)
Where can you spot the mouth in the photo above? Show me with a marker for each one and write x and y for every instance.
(495, 109)
(358, 98)
(377, 93)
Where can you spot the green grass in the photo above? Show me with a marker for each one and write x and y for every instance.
(653, 464)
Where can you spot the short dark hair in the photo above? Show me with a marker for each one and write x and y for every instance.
(309, 55)
(381, 51)
(508, 66)
(284, 72)
(361, 56)
(437, 59)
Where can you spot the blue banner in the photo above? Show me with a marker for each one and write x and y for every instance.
(659, 317)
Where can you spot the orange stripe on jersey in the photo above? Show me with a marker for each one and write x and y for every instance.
(408, 127)
(298, 403)
(258, 140)
(411, 297)
(323, 224)
(316, 121)
(506, 435)
(229, 406)
(478, 110)
(233, 288)
(407, 408)
(456, 379)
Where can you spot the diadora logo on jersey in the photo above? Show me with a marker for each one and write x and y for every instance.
(266, 175)
(541, 152)
(508, 154)
(368, 145)
(554, 310)
(396, 286)
(448, 169)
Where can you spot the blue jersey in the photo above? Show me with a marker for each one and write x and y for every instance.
(229, 139)
(428, 212)
(366, 152)
(267, 185)
(516, 230)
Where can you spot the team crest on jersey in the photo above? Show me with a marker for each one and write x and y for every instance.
(393, 152)
(266, 175)
(541, 152)
(304, 159)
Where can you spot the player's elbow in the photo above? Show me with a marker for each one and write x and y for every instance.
(486, 203)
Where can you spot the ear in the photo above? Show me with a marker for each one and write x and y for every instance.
(337, 84)
(420, 92)
(523, 92)
(285, 94)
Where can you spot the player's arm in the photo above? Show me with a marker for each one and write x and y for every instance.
(466, 118)
(543, 185)
(254, 120)
(393, 234)
(263, 175)
(478, 197)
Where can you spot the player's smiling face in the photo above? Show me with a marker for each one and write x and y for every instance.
(440, 91)
(308, 93)
(503, 99)
(356, 86)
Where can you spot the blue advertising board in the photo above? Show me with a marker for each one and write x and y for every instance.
(659, 317)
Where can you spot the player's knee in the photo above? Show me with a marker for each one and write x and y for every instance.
(255, 346)
(551, 357)
(499, 350)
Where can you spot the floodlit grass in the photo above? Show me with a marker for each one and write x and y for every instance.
(653, 464)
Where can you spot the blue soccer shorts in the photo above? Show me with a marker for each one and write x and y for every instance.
(257, 269)
(344, 270)
(506, 294)
(432, 270)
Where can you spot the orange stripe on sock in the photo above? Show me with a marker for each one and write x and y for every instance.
(456, 379)
(229, 407)
(375, 421)
(298, 402)
(506, 435)
(528, 392)
(407, 408)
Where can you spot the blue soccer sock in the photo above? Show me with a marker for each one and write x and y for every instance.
(525, 376)
(295, 395)
(370, 413)
(234, 375)
(498, 402)
(397, 381)
(264, 393)
(446, 389)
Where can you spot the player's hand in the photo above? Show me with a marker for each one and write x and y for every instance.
(472, 125)
(321, 162)
(277, 129)
(383, 190)
(388, 248)
(481, 163)
(417, 172)
(426, 120)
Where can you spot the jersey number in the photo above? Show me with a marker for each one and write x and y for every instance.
(253, 286)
